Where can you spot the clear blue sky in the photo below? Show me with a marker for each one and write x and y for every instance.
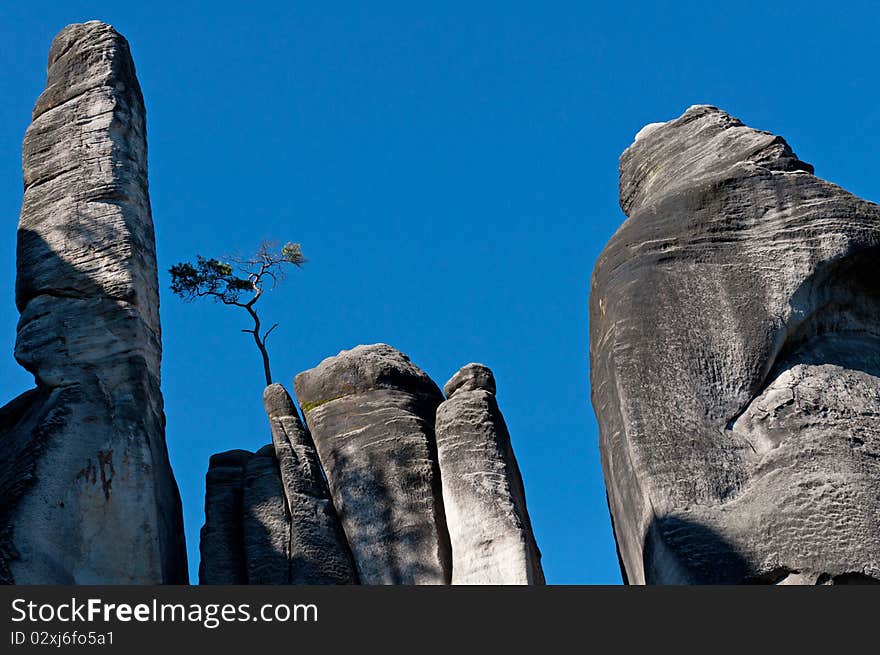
(451, 171)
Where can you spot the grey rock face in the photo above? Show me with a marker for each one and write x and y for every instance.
(472, 377)
(222, 537)
(269, 518)
(87, 491)
(266, 524)
(489, 528)
(371, 413)
(246, 536)
(318, 551)
(735, 362)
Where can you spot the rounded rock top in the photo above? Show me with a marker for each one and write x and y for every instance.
(277, 401)
(471, 377)
(359, 370)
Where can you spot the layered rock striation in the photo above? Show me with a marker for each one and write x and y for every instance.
(364, 485)
(489, 527)
(735, 362)
(86, 490)
(371, 413)
(318, 551)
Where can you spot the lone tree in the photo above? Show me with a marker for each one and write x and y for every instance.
(239, 282)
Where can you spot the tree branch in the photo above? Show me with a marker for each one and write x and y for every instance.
(217, 294)
(268, 332)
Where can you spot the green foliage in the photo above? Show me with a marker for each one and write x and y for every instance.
(208, 277)
(226, 281)
(292, 254)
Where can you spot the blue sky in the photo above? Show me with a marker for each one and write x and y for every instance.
(451, 171)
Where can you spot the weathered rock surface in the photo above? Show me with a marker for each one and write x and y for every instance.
(221, 541)
(266, 524)
(489, 528)
(364, 502)
(269, 518)
(735, 362)
(318, 551)
(86, 490)
(371, 413)
(246, 535)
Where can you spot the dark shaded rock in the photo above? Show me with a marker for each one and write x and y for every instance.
(735, 362)
(489, 527)
(87, 490)
(222, 537)
(266, 520)
(318, 551)
(371, 413)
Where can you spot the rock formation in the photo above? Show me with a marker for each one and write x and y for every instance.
(86, 490)
(365, 501)
(318, 550)
(489, 528)
(269, 518)
(735, 363)
(266, 522)
(371, 413)
(87, 495)
(221, 541)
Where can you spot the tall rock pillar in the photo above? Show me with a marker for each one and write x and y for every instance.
(87, 492)
(735, 362)
(489, 527)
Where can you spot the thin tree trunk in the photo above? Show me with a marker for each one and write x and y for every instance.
(265, 355)
(261, 345)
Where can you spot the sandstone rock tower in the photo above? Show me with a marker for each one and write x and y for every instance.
(87, 495)
(735, 362)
